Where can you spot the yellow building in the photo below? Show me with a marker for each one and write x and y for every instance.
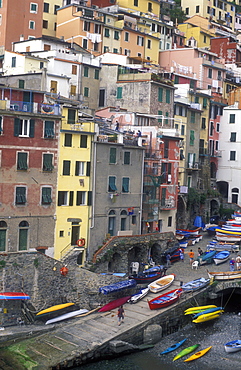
(150, 7)
(74, 195)
(196, 32)
(50, 17)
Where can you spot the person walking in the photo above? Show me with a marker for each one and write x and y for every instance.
(191, 256)
(238, 262)
(181, 254)
(120, 315)
(232, 264)
(200, 252)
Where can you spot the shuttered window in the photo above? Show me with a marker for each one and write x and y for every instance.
(125, 184)
(20, 195)
(112, 185)
(49, 129)
(71, 116)
(192, 137)
(66, 168)
(48, 162)
(168, 96)
(46, 195)
(83, 141)
(160, 94)
(22, 163)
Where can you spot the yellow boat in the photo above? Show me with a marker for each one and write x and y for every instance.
(54, 308)
(206, 317)
(198, 354)
(198, 308)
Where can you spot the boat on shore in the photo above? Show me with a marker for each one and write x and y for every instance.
(116, 287)
(114, 304)
(196, 284)
(224, 275)
(161, 284)
(220, 246)
(56, 310)
(173, 347)
(221, 257)
(209, 310)
(165, 299)
(206, 257)
(233, 346)
(207, 317)
(66, 316)
(198, 354)
(186, 351)
(138, 296)
(149, 275)
(194, 310)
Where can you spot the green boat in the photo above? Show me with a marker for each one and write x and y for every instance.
(186, 351)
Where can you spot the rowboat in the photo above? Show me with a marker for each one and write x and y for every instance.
(161, 283)
(114, 304)
(227, 275)
(149, 275)
(138, 296)
(206, 257)
(198, 354)
(186, 351)
(66, 316)
(198, 308)
(233, 346)
(220, 246)
(206, 317)
(221, 257)
(229, 238)
(227, 232)
(195, 231)
(209, 310)
(165, 299)
(173, 347)
(56, 308)
(195, 284)
(13, 295)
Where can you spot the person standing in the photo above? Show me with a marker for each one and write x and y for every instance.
(181, 254)
(238, 262)
(191, 256)
(121, 315)
(200, 252)
(232, 264)
(168, 258)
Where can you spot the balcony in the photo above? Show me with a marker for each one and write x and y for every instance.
(193, 166)
(216, 153)
(27, 107)
(167, 204)
(203, 151)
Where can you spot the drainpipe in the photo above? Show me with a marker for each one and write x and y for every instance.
(142, 179)
(93, 188)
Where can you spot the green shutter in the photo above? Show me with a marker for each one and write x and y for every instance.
(71, 198)
(205, 102)
(192, 137)
(97, 74)
(23, 239)
(71, 116)
(112, 155)
(31, 132)
(48, 162)
(3, 240)
(88, 169)
(49, 129)
(112, 185)
(83, 141)
(160, 94)
(22, 161)
(20, 195)
(125, 184)
(192, 117)
(160, 114)
(119, 93)
(66, 168)
(46, 196)
(127, 156)
(168, 94)
(89, 198)
(16, 126)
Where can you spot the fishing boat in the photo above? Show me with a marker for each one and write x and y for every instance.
(165, 299)
(13, 295)
(66, 316)
(206, 257)
(183, 243)
(209, 310)
(149, 275)
(173, 347)
(114, 304)
(195, 284)
(56, 310)
(161, 283)
(221, 257)
(227, 275)
(228, 232)
(220, 246)
(194, 231)
(138, 296)
(186, 351)
(194, 310)
(120, 285)
(206, 317)
(233, 346)
(198, 354)
(228, 238)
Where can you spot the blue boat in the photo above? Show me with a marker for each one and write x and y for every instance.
(121, 285)
(206, 257)
(209, 310)
(195, 284)
(221, 257)
(173, 347)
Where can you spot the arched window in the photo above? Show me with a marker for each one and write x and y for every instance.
(111, 222)
(3, 236)
(23, 236)
(235, 192)
(123, 220)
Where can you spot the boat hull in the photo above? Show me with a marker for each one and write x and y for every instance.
(161, 284)
(13, 295)
(114, 304)
(228, 275)
(66, 316)
(56, 309)
(198, 354)
(206, 317)
(199, 308)
(173, 347)
(221, 257)
(165, 299)
(137, 297)
(233, 346)
(195, 285)
(186, 351)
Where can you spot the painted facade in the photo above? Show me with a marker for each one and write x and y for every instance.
(50, 9)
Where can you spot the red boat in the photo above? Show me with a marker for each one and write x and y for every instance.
(165, 299)
(114, 304)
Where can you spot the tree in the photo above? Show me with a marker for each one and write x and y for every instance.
(176, 13)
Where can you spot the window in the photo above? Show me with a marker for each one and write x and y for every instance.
(86, 92)
(102, 98)
(22, 161)
(74, 69)
(217, 126)
(111, 223)
(133, 219)
(125, 185)
(112, 158)
(192, 119)
(148, 44)
(116, 35)
(79, 168)
(232, 118)
(20, 195)
(45, 24)
(106, 49)
(13, 62)
(83, 141)
(96, 46)
(168, 96)
(31, 25)
(86, 71)
(119, 93)
(197, 9)
(86, 26)
(97, 28)
(112, 185)
(49, 129)
(66, 168)
(21, 84)
(73, 90)
(197, 99)
(159, 114)
(23, 127)
(219, 75)
(68, 140)
(71, 116)
(23, 236)
(135, 2)
(205, 39)
(107, 32)
(62, 198)
(210, 73)
(203, 126)
(46, 197)
(85, 43)
(149, 7)
(33, 8)
(127, 157)
(182, 130)
(48, 162)
(53, 86)
(123, 220)
(205, 102)
(166, 119)
(169, 222)
(1, 125)
(97, 74)
(115, 51)
(233, 137)
(192, 137)
(3, 236)
(56, 7)
(126, 36)
(140, 40)
(46, 8)
(187, 11)
(232, 155)
(81, 198)
(160, 94)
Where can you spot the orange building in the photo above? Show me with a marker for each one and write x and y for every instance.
(20, 19)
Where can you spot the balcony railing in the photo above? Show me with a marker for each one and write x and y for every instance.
(167, 204)
(27, 107)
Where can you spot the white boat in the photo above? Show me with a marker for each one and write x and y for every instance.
(223, 246)
(233, 346)
(228, 238)
(66, 316)
(221, 257)
(161, 284)
(227, 275)
(138, 296)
